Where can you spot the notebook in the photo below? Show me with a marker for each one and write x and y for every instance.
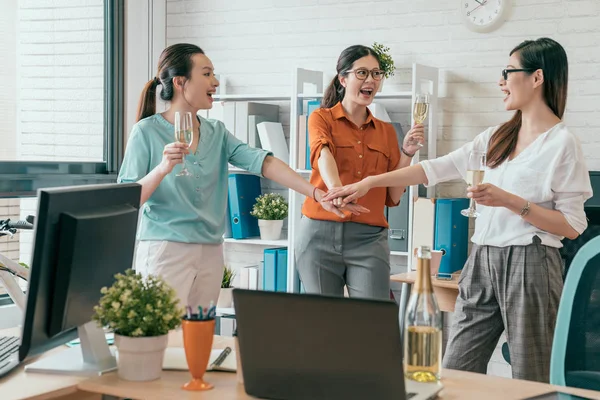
(175, 360)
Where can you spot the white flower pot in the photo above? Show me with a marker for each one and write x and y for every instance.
(140, 358)
(225, 298)
(270, 229)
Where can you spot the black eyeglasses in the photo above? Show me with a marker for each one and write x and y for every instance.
(505, 72)
(363, 73)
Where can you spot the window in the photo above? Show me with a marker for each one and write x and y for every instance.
(61, 79)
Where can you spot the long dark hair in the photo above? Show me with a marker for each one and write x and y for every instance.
(175, 60)
(549, 56)
(335, 91)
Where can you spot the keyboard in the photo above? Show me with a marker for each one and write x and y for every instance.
(9, 354)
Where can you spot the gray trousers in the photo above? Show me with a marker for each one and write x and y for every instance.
(330, 255)
(517, 289)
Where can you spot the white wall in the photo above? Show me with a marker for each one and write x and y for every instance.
(256, 44)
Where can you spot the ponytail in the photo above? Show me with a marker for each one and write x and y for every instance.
(334, 94)
(147, 104)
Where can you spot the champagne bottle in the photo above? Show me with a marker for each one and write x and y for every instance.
(423, 326)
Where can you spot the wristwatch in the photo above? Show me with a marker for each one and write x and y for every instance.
(524, 210)
(406, 153)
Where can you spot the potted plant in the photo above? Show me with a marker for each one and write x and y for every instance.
(386, 62)
(270, 209)
(141, 312)
(225, 295)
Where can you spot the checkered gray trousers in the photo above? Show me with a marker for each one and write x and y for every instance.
(517, 289)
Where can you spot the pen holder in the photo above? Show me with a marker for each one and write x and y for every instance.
(197, 342)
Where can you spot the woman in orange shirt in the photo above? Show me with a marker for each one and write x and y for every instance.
(347, 144)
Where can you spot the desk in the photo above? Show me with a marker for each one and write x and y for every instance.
(458, 385)
(21, 385)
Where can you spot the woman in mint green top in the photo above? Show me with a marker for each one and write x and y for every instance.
(183, 218)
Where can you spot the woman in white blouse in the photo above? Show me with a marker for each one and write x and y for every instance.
(532, 196)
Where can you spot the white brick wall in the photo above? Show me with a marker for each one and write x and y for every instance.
(59, 62)
(256, 44)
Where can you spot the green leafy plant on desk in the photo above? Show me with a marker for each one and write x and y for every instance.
(141, 311)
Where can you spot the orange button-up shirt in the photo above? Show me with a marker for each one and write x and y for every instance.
(359, 152)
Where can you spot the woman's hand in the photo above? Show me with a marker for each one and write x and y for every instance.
(330, 205)
(489, 195)
(173, 154)
(412, 139)
(350, 193)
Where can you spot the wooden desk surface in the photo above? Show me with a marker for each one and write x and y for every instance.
(169, 386)
(21, 385)
(409, 277)
(458, 384)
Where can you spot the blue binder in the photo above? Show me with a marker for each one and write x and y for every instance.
(243, 191)
(228, 233)
(310, 107)
(270, 269)
(451, 233)
(281, 270)
(275, 269)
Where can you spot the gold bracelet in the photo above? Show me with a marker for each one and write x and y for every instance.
(524, 210)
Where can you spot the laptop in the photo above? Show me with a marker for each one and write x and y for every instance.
(304, 346)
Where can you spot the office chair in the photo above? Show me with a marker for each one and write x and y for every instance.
(567, 253)
(575, 357)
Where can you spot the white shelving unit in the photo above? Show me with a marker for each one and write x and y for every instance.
(308, 84)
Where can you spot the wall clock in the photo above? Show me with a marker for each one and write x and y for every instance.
(484, 15)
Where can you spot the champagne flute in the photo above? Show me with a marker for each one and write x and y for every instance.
(183, 134)
(475, 172)
(420, 110)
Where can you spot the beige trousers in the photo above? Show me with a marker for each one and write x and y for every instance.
(194, 270)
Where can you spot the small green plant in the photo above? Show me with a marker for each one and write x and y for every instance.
(386, 62)
(137, 306)
(228, 276)
(270, 206)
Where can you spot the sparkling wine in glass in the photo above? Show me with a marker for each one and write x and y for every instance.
(183, 134)
(420, 110)
(475, 174)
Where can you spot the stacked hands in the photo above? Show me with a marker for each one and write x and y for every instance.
(345, 197)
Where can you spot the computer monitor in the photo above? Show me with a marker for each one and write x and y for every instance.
(84, 235)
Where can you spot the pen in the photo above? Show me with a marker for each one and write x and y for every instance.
(200, 313)
(221, 357)
(189, 312)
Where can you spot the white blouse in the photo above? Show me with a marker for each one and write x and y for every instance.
(550, 172)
